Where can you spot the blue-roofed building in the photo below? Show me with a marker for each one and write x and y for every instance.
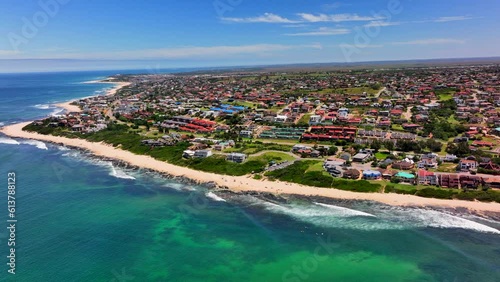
(372, 174)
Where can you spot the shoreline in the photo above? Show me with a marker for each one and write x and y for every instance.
(110, 92)
(243, 183)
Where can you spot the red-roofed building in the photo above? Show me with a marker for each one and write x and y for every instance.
(478, 143)
(426, 177)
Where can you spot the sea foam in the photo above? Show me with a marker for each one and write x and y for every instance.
(4, 140)
(118, 173)
(379, 218)
(38, 144)
(214, 197)
(43, 106)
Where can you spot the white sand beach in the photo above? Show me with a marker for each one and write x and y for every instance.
(73, 108)
(244, 183)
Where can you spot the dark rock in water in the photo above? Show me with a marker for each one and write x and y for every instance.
(210, 185)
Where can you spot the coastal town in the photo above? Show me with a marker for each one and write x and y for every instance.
(401, 130)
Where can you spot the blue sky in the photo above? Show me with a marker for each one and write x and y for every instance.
(141, 34)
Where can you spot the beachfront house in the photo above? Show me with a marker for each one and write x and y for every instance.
(352, 174)
(405, 177)
(202, 153)
(426, 177)
(236, 157)
(188, 154)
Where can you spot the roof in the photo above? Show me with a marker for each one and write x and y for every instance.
(405, 175)
(371, 172)
(424, 173)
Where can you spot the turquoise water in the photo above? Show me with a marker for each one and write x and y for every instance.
(84, 219)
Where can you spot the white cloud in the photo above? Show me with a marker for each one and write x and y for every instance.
(381, 23)
(266, 18)
(193, 52)
(295, 25)
(430, 41)
(452, 19)
(322, 31)
(361, 46)
(337, 17)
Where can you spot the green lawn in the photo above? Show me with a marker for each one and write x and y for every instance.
(445, 93)
(397, 127)
(315, 167)
(272, 156)
(447, 167)
(381, 155)
(304, 119)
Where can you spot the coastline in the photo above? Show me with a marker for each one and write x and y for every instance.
(243, 183)
(72, 108)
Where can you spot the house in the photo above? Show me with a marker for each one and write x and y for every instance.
(386, 162)
(188, 154)
(246, 133)
(361, 157)
(427, 163)
(478, 143)
(426, 177)
(449, 180)
(236, 157)
(450, 158)
(343, 113)
(351, 174)
(345, 156)
(405, 177)
(371, 174)
(404, 165)
(280, 118)
(332, 162)
(315, 119)
(466, 165)
(202, 153)
(386, 173)
(489, 165)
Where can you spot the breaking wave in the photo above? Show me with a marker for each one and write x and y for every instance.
(345, 211)
(379, 218)
(118, 173)
(214, 197)
(38, 144)
(43, 106)
(10, 141)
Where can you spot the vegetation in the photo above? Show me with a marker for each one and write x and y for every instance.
(257, 146)
(303, 172)
(300, 173)
(445, 93)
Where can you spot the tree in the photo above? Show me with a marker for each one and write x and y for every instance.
(389, 145)
(332, 150)
(376, 145)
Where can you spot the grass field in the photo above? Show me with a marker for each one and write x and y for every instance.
(272, 156)
(315, 167)
(304, 119)
(445, 94)
(447, 167)
(381, 155)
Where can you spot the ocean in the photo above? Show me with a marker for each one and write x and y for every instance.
(81, 218)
